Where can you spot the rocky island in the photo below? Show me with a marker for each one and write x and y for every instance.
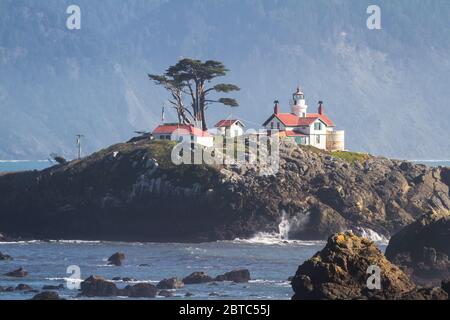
(133, 192)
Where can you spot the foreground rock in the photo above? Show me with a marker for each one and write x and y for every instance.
(141, 290)
(116, 259)
(238, 276)
(4, 257)
(422, 249)
(46, 295)
(18, 273)
(339, 271)
(197, 277)
(171, 283)
(133, 192)
(95, 286)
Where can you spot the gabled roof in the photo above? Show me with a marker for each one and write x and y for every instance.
(228, 123)
(183, 129)
(291, 120)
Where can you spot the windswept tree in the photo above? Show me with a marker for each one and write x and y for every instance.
(194, 78)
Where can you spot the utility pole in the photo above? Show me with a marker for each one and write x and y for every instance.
(79, 136)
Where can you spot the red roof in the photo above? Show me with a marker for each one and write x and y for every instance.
(227, 123)
(183, 129)
(291, 120)
(290, 133)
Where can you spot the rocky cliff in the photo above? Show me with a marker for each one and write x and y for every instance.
(422, 249)
(132, 191)
(342, 271)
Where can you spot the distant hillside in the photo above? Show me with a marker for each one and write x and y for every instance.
(387, 88)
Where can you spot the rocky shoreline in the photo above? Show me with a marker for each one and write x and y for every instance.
(132, 192)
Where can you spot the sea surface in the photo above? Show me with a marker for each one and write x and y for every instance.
(271, 259)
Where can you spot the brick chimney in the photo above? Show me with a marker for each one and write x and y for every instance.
(276, 108)
(321, 108)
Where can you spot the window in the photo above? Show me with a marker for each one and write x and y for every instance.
(167, 137)
(318, 138)
(278, 125)
(317, 126)
(271, 125)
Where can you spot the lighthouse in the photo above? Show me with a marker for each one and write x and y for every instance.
(299, 106)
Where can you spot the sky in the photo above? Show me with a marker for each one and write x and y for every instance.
(388, 88)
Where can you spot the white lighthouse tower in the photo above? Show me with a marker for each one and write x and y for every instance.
(299, 106)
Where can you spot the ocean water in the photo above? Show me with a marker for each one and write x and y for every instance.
(270, 263)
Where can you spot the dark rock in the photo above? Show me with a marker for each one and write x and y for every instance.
(339, 271)
(116, 279)
(141, 290)
(197, 277)
(188, 294)
(23, 287)
(19, 273)
(116, 259)
(52, 287)
(128, 279)
(426, 294)
(95, 286)
(46, 295)
(31, 291)
(238, 276)
(144, 265)
(7, 289)
(5, 257)
(336, 194)
(445, 285)
(422, 249)
(165, 293)
(171, 283)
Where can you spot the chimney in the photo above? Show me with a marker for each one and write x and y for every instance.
(321, 108)
(276, 108)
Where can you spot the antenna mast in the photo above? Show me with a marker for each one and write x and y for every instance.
(79, 136)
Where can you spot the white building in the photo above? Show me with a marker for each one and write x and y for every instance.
(183, 132)
(314, 129)
(230, 128)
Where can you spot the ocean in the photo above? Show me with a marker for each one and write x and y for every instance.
(271, 260)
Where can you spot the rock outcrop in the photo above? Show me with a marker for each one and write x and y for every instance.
(341, 271)
(116, 259)
(171, 283)
(4, 257)
(95, 286)
(238, 276)
(197, 277)
(47, 295)
(133, 192)
(422, 249)
(18, 273)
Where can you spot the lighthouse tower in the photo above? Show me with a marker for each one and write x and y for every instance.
(299, 106)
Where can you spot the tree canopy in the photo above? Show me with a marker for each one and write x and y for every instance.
(191, 79)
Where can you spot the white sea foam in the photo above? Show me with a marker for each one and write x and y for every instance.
(371, 235)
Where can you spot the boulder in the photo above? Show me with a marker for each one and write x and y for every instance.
(4, 257)
(165, 293)
(95, 286)
(18, 273)
(116, 259)
(52, 287)
(141, 290)
(238, 276)
(171, 283)
(422, 249)
(23, 287)
(445, 285)
(47, 295)
(340, 271)
(197, 277)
